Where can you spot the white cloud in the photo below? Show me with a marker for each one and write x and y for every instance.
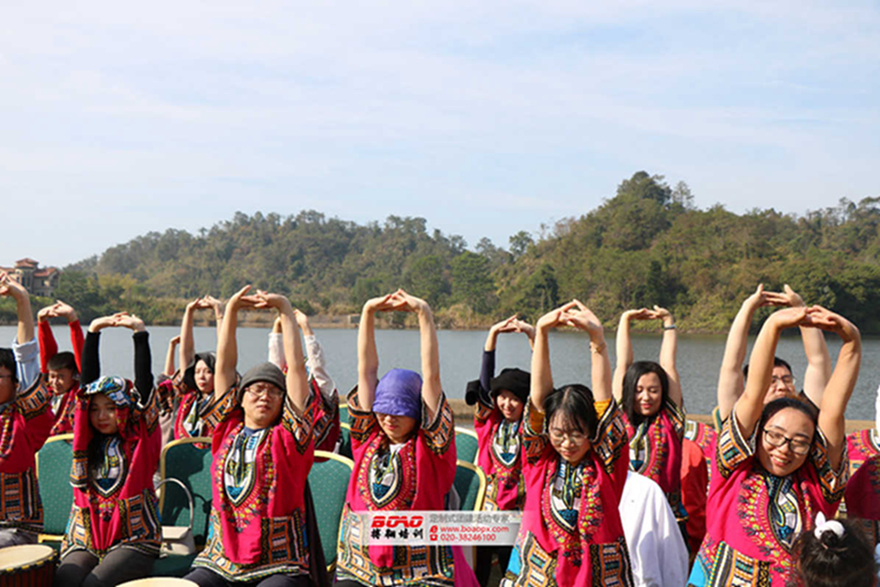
(367, 110)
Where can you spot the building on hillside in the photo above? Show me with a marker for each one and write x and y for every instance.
(38, 281)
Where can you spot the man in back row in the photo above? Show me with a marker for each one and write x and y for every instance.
(731, 380)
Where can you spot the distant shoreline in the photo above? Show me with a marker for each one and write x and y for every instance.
(251, 319)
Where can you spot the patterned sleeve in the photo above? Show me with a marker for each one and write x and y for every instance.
(221, 407)
(34, 400)
(833, 483)
(178, 382)
(482, 412)
(438, 434)
(34, 404)
(535, 441)
(147, 409)
(677, 416)
(717, 422)
(611, 437)
(300, 426)
(731, 448)
(165, 394)
(363, 423)
(326, 416)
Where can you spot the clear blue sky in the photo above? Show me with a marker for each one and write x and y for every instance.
(485, 118)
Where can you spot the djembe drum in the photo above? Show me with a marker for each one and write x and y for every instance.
(27, 565)
(159, 582)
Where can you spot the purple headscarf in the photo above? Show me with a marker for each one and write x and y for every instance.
(399, 393)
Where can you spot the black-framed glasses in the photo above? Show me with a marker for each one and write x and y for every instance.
(576, 438)
(272, 392)
(798, 446)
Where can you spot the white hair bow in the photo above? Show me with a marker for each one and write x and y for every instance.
(823, 525)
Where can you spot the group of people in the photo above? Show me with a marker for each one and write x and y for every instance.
(616, 486)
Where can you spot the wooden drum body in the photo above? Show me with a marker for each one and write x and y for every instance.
(160, 582)
(27, 565)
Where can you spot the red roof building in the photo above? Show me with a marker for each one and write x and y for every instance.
(38, 281)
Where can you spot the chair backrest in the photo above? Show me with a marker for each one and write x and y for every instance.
(345, 441)
(329, 483)
(466, 444)
(470, 483)
(343, 414)
(53, 473)
(191, 465)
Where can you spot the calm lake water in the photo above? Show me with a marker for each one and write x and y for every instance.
(699, 357)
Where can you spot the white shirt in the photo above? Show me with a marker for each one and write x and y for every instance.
(315, 364)
(656, 547)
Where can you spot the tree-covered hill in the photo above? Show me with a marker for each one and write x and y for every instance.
(649, 245)
(646, 245)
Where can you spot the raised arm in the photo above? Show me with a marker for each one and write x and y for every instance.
(528, 330)
(296, 378)
(10, 287)
(818, 359)
(600, 365)
(751, 403)
(169, 356)
(430, 350)
(187, 343)
(143, 360)
(832, 413)
(217, 306)
(368, 357)
(67, 312)
(227, 345)
(624, 347)
(316, 364)
(668, 351)
(487, 370)
(276, 345)
(91, 361)
(46, 338)
(506, 325)
(730, 379)
(542, 375)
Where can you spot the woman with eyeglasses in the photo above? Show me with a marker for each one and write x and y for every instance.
(776, 465)
(575, 468)
(499, 404)
(650, 397)
(782, 383)
(262, 448)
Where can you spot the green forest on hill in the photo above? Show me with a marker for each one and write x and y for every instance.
(646, 245)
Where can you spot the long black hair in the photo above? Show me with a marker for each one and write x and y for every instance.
(631, 384)
(96, 454)
(574, 404)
